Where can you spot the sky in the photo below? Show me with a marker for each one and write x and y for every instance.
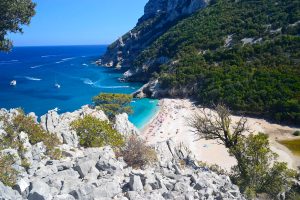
(79, 22)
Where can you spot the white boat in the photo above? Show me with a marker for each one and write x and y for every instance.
(57, 85)
(13, 83)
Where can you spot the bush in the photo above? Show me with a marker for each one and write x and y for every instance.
(136, 153)
(257, 170)
(8, 175)
(35, 133)
(296, 133)
(113, 104)
(93, 132)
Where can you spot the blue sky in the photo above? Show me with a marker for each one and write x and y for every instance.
(79, 22)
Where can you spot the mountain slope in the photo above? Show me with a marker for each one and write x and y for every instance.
(159, 16)
(243, 53)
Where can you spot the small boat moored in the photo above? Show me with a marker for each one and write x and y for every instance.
(13, 83)
(57, 85)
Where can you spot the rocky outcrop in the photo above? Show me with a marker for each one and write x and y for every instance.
(173, 8)
(60, 124)
(151, 89)
(159, 16)
(96, 173)
(124, 126)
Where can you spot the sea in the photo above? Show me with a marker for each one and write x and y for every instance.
(63, 77)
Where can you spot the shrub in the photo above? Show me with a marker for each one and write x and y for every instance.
(27, 124)
(113, 104)
(8, 175)
(257, 170)
(93, 132)
(136, 153)
(296, 133)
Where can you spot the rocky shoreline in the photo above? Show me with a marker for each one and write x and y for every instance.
(96, 173)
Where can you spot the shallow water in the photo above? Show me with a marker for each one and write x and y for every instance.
(38, 69)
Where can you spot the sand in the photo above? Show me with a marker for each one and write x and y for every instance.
(171, 122)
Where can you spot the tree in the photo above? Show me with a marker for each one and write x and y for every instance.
(93, 132)
(257, 169)
(113, 104)
(209, 125)
(14, 14)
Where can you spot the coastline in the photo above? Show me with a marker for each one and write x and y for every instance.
(171, 122)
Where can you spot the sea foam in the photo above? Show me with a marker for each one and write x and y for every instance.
(32, 78)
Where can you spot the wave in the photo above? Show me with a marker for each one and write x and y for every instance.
(36, 66)
(32, 78)
(65, 59)
(85, 64)
(8, 62)
(47, 56)
(88, 81)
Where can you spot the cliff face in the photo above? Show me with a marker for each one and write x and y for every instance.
(159, 16)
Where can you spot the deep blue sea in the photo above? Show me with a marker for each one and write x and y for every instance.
(38, 69)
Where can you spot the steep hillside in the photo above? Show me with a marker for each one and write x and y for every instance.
(243, 53)
(159, 16)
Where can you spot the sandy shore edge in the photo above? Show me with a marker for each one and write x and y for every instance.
(170, 121)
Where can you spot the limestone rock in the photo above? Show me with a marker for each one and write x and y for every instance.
(84, 166)
(64, 197)
(40, 191)
(60, 124)
(124, 126)
(7, 193)
(136, 183)
(38, 151)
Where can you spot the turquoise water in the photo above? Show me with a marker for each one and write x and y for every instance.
(38, 69)
(144, 110)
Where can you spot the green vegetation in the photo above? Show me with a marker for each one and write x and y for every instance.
(93, 132)
(13, 15)
(113, 104)
(8, 175)
(209, 60)
(22, 123)
(136, 153)
(296, 133)
(257, 170)
(293, 145)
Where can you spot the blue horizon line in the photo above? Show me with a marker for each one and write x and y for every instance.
(59, 45)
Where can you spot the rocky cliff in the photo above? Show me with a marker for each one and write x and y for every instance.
(159, 16)
(97, 174)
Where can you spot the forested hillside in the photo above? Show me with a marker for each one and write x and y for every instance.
(244, 53)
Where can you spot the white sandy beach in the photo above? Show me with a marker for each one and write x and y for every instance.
(171, 122)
